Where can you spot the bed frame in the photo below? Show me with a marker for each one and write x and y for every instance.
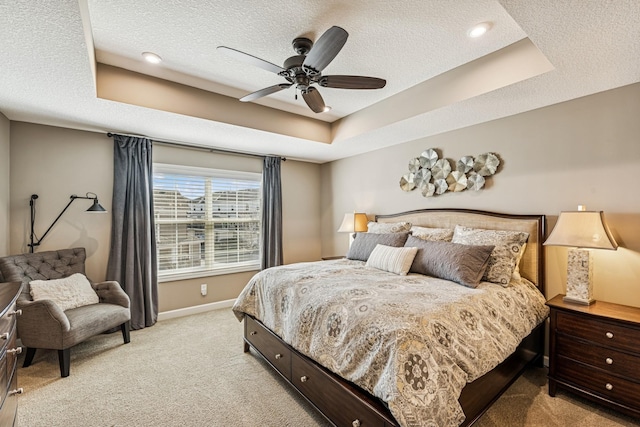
(345, 404)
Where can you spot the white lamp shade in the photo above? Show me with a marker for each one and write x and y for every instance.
(582, 229)
(353, 223)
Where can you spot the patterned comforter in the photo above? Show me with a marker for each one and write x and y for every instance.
(413, 341)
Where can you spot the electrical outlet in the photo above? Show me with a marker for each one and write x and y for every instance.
(203, 289)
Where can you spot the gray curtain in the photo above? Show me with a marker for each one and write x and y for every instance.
(132, 257)
(271, 247)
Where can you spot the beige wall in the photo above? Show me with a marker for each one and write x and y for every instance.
(4, 184)
(585, 151)
(56, 162)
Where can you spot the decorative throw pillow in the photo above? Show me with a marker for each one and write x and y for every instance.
(432, 234)
(365, 243)
(392, 259)
(68, 292)
(388, 227)
(508, 248)
(463, 264)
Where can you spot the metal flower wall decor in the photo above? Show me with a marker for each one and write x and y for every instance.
(433, 175)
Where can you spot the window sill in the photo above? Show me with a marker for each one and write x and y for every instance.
(174, 277)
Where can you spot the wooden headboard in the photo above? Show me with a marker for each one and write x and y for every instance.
(532, 262)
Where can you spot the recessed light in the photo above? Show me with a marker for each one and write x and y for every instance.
(479, 30)
(151, 57)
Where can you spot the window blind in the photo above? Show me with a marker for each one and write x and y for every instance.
(207, 221)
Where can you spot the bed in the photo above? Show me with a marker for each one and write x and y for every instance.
(370, 347)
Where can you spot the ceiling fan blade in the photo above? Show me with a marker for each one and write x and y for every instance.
(324, 50)
(314, 100)
(264, 92)
(352, 82)
(250, 59)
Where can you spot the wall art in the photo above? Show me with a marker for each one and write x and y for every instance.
(433, 175)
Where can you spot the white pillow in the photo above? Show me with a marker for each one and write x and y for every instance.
(391, 259)
(68, 292)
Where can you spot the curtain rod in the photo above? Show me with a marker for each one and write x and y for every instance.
(195, 147)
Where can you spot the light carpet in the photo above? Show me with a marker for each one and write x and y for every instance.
(191, 371)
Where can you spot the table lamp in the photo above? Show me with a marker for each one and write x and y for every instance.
(581, 230)
(355, 222)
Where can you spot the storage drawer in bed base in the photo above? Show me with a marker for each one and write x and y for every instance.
(345, 404)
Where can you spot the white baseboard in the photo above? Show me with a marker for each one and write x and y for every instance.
(195, 309)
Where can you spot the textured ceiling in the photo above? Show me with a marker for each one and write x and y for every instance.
(47, 61)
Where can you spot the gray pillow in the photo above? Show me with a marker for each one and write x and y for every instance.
(463, 264)
(365, 243)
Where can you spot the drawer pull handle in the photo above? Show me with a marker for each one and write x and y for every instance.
(609, 386)
(356, 423)
(609, 335)
(5, 336)
(15, 313)
(609, 361)
(252, 333)
(16, 391)
(278, 356)
(17, 350)
(304, 379)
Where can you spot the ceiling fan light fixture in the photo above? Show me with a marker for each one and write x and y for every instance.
(326, 109)
(151, 57)
(479, 29)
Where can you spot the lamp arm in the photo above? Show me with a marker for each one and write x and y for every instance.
(32, 202)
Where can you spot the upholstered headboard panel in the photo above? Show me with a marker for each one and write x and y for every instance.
(42, 266)
(532, 262)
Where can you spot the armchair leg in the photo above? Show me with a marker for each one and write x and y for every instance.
(28, 358)
(125, 332)
(64, 359)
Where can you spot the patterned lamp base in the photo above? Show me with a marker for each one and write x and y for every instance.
(579, 277)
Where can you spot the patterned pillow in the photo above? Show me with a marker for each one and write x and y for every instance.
(432, 234)
(365, 243)
(463, 264)
(508, 248)
(68, 292)
(388, 227)
(391, 259)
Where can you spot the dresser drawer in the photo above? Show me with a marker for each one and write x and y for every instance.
(605, 358)
(599, 382)
(7, 324)
(331, 397)
(599, 331)
(10, 404)
(267, 344)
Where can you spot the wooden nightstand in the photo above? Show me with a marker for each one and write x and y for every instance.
(594, 351)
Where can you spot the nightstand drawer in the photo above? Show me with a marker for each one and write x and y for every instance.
(599, 382)
(599, 331)
(610, 360)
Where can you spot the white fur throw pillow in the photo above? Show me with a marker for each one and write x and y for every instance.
(68, 292)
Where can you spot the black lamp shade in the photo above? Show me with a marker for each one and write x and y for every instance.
(96, 207)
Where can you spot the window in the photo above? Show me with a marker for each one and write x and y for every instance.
(207, 221)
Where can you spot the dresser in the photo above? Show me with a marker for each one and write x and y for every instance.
(8, 353)
(594, 351)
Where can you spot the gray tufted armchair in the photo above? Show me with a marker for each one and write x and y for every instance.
(43, 324)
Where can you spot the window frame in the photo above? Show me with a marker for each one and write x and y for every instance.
(239, 267)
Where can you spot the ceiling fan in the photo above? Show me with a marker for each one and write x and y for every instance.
(305, 69)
